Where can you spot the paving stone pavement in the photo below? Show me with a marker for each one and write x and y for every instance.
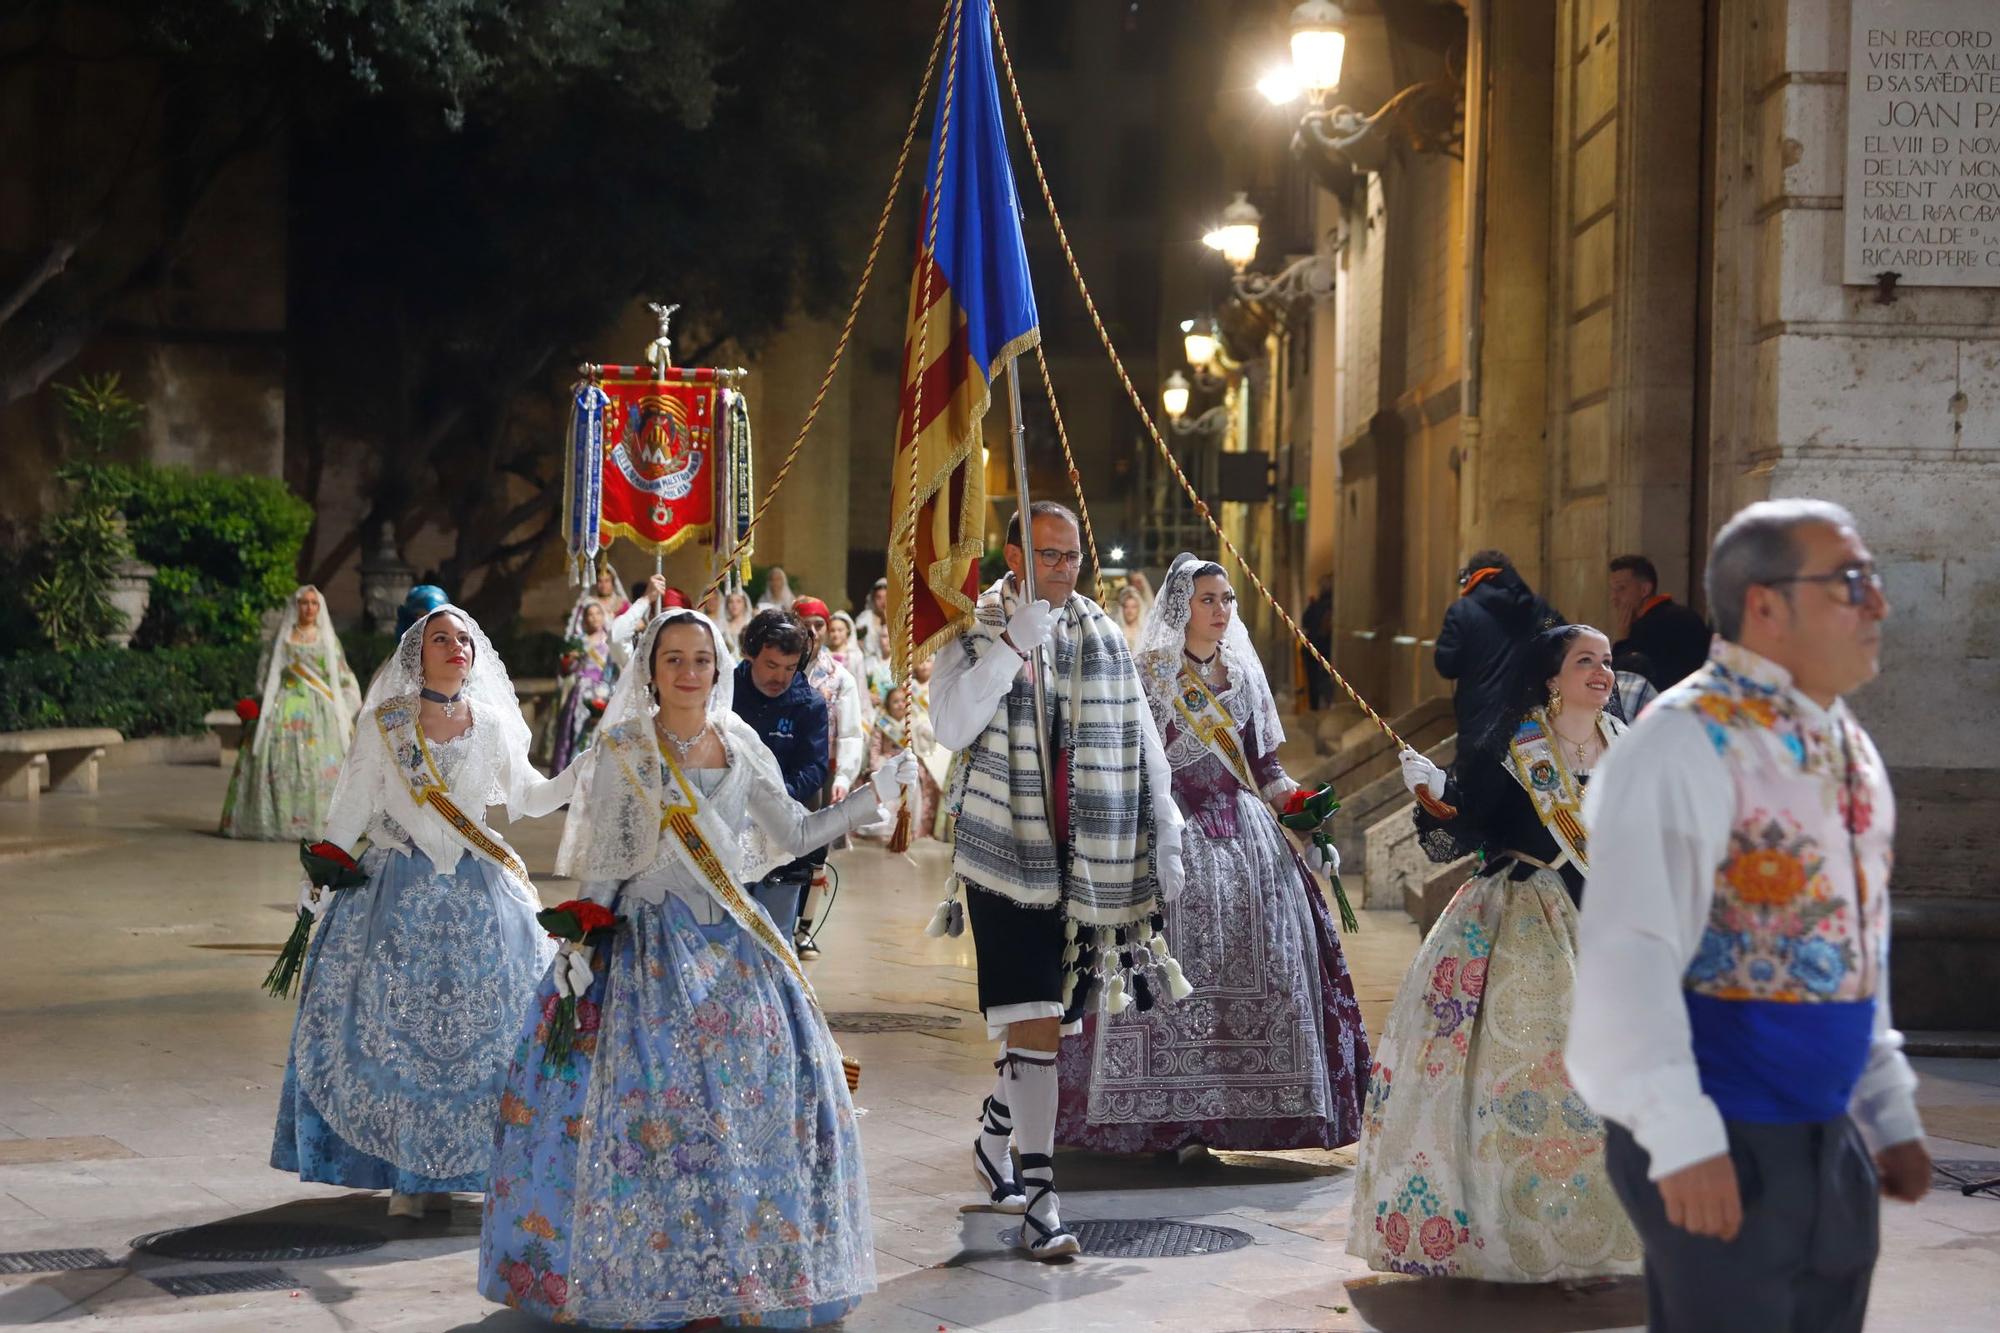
(139, 1066)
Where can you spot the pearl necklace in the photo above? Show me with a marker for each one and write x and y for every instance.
(681, 747)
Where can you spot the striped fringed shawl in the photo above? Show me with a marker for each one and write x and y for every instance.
(1004, 842)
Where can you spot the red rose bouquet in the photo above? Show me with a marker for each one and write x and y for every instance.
(1307, 812)
(247, 710)
(328, 869)
(581, 925)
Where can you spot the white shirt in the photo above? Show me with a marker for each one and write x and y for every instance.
(1659, 810)
(964, 695)
(625, 631)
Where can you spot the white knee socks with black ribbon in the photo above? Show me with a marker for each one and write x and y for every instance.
(996, 1135)
(1030, 1077)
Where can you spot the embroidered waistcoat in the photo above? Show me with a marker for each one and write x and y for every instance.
(1782, 990)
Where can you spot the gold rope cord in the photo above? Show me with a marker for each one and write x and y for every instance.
(1075, 475)
(853, 312)
(1145, 415)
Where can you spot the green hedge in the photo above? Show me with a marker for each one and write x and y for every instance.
(226, 549)
(141, 692)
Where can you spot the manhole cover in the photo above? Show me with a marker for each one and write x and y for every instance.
(1147, 1238)
(228, 1242)
(223, 1284)
(866, 1020)
(1959, 1173)
(53, 1261)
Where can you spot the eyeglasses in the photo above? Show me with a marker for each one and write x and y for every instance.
(1858, 580)
(1051, 558)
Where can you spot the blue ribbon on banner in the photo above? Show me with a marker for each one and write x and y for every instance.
(586, 478)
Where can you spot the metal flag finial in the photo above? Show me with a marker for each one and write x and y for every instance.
(660, 352)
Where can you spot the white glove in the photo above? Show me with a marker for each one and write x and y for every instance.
(891, 777)
(1326, 859)
(1029, 628)
(572, 969)
(311, 899)
(1421, 772)
(1173, 870)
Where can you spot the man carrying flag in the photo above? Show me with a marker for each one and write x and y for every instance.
(1068, 838)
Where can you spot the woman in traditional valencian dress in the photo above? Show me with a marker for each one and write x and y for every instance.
(416, 983)
(1269, 1049)
(1132, 616)
(603, 594)
(694, 1156)
(587, 677)
(898, 727)
(845, 649)
(777, 591)
(291, 756)
(736, 614)
(1478, 1159)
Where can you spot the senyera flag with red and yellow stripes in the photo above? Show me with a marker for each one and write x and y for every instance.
(980, 314)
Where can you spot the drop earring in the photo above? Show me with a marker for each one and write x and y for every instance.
(1555, 701)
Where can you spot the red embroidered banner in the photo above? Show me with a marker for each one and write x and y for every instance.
(659, 456)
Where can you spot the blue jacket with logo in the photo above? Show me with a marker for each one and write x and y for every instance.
(794, 727)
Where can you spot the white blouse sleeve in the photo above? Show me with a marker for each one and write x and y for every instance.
(964, 693)
(795, 830)
(1658, 810)
(1167, 819)
(530, 795)
(357, 796)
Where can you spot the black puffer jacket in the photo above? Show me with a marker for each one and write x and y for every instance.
(1483, 634)
(793, 727)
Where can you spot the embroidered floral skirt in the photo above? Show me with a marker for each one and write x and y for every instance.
(290, 758)
(1268, 1051)
(414, 987)
(1478, 1160)
(696, 1157)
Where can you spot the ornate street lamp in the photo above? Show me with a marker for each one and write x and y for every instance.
(1236, 237)
(1319, 44)
(1201, 342)
(1174, 398)
(1305, 277)
(1339, 140)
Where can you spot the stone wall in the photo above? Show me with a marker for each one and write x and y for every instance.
(1665, 338)
(1893, 409)
(199, 338)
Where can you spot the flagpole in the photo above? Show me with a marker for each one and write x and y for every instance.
(1039, 674)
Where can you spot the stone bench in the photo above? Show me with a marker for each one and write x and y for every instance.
(228, 731)
(56, 757)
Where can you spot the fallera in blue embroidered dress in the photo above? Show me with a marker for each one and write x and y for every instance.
(415, 983)
(697, 1155)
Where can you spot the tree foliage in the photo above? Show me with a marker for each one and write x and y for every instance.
(477, 189)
